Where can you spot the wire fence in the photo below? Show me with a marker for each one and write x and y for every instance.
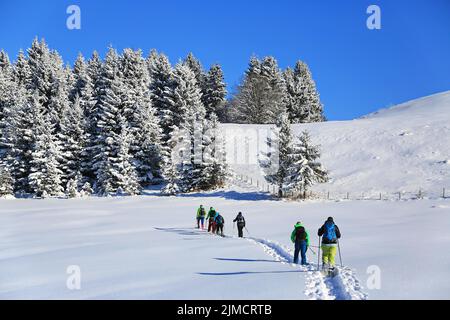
(263, 186)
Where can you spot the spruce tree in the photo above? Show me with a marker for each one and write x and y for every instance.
(187, 113)
(161, 89)
(260, 98)
(18, 138)
(72, 141)
(6, 182)
(196, 67)
(277, 162)
(214, 91)
(72, 188)
(306, 169)
(215, 169)
(141, 117)
(172, 163)
(20, 69)
(303, 101)
(94, 72)
(7, 89)
(45, 176)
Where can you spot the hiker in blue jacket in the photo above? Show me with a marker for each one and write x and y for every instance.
(219, 222)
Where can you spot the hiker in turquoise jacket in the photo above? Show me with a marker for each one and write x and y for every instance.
(300, 238)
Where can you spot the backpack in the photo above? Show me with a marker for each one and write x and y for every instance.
(219, 219)
(330, 232)
(240, 220)
(202, 212)
(300, 234)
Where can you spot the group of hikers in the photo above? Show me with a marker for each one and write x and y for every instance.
(216, 221)
(329, 235)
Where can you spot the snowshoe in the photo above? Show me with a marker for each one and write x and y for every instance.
(332, 272)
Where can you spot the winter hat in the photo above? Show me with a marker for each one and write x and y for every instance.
(330, 219)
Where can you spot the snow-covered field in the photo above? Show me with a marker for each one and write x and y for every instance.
(401, 149)
(146, 247)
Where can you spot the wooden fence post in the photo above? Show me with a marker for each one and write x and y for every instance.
(399, 196)
(328, 195)
(348, 195)
(380, 196)
(443, 193)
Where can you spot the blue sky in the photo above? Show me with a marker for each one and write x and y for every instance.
(357, 70)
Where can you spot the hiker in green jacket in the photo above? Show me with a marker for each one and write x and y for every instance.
(201, 213)
(210, 217)
(300, 238)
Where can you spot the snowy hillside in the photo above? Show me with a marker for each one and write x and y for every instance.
(401, 149)
(146, 247)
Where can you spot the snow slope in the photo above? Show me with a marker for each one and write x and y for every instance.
(401, 149)
(145, 247)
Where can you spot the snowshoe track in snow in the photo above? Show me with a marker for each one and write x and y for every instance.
(344, 286)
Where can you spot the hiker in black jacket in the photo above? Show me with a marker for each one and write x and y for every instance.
(240, 224)
(330, 234)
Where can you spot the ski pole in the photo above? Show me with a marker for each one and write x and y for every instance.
(312, 250)
(247, 231)
(318, 257)
(339, 250)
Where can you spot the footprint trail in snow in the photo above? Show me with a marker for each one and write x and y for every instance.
(344, 286)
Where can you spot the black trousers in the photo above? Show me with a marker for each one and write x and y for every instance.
(240, 231)
(219, 229)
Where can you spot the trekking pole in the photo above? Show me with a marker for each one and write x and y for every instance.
(247, 231)
(312, 250)
(339, 250)
(318, 257)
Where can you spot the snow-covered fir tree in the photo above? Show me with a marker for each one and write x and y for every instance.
(83, 85)
(302, 98)
(6, 182)
(260, 98)
(277, 162)
(141, 117)
(86, 190)
(292, 163)
(45, 176)
(18, 138)
(113, 161)
(46, 77)
(72, 188)
(20, 69)
(214, 95)
(161, 87)
(306, 169)
(194, 64)
(72, 140)
(94, 71)
(125, 178)
(7, 89)
(187, 113)
(215, 171)
(172, 162)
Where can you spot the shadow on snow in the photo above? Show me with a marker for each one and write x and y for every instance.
(245, 272)
(246, 260)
